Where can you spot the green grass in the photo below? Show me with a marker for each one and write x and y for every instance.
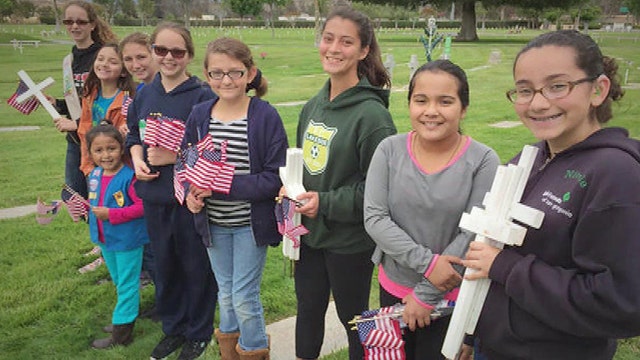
(49, 310)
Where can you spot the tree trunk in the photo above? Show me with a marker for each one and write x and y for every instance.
(468, 30)
(318, 24)
(57, 14)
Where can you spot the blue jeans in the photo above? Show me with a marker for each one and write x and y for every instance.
(237, 264)
(72, 174)
(124, 268)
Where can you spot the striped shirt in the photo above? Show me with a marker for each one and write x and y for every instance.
(231, 213)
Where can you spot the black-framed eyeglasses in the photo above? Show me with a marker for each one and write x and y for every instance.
(162, 51)
(232, 74)
(80, 22)
(555, 90)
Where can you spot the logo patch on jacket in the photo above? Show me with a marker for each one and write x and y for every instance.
(119, 197)
(315, 146)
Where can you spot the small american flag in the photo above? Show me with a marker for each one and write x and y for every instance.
(77, 206)
(205, 167)
(125, 104)
(381, 335)
(285, 211)
(222, 181)
(186, 157)
(27, 106)
(46, 212)
(164, 132)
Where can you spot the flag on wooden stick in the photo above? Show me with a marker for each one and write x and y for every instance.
(77, 206)
(46, 212)
(285, 211)
(380, 334)
(26, 107)
(164, 132)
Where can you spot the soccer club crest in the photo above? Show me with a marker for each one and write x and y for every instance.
(315, 147)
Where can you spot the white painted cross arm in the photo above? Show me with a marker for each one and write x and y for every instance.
(492, 225)
(36, 90)
(291, 177)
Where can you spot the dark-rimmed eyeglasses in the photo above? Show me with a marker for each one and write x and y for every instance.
(555, 90)
(162, 51)
(80, 22)
(232, 74)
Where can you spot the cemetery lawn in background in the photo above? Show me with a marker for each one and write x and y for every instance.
(51, 310)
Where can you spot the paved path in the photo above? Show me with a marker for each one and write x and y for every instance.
(283, 335)
(282, 332)
(19, 128)
(15, 212)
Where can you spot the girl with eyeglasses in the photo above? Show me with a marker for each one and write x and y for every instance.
(242, 223)
(185, 287)
(572, 288)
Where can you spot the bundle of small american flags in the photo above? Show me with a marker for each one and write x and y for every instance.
(27, 106)
(77, 206)
(285, 211)
(164, 132)
(203, 166)
(380, 333)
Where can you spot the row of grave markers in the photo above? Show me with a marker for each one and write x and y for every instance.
(495, 57)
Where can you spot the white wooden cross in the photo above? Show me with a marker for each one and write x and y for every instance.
(291, 176)
(36, 90)
(492, 225)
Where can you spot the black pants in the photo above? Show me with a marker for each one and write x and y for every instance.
(319, 273)
(186, 291)
(424, 343)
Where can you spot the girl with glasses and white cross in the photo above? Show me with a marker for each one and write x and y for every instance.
(572, 288)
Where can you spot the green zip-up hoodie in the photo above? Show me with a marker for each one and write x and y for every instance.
(338, 139)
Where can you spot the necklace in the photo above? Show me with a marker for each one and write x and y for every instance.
(453, 153)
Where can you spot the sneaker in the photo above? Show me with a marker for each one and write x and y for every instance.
(91, 266)
(95, 251)
(192, 349)
(166, 346)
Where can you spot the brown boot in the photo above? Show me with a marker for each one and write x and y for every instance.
(260, 354)
(227, 344)
(121, 335)
(108, 329)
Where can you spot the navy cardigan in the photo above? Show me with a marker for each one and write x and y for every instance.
(268, 144)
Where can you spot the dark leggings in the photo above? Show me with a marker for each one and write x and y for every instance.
(319, 273)
(424, 343)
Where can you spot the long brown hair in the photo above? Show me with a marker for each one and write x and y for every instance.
(589, 59)
(371, 66)
(125, 81)
(238, 50)
(101, 33)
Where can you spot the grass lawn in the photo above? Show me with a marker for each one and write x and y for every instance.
(49, 310)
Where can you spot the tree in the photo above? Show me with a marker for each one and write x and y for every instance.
(468, 30)
(146, 8)
(128, 8)
(634, 7)
(246, 7)
(110, 8)
(24, 9)
(6, 7)
(271, 4)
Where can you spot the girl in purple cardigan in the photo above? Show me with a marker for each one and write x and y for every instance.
(241, 223)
